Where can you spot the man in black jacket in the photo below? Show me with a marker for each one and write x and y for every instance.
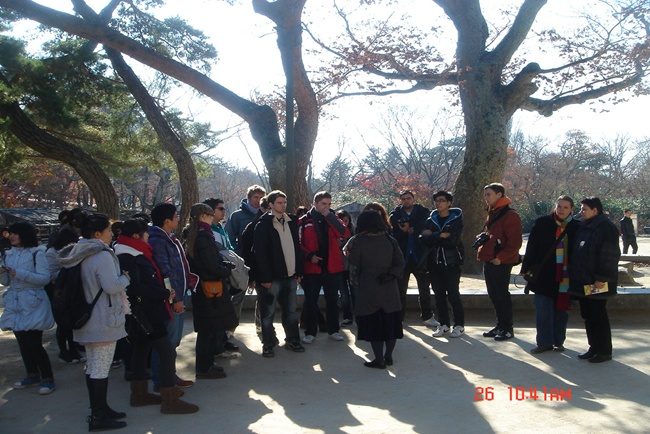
(627, 233)
(407, 221)
(279, 269)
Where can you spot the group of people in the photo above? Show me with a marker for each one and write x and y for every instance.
(143, 276)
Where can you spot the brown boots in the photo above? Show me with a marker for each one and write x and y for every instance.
(140, 395)
(172, 405)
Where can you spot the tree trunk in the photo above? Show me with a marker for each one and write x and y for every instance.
(56, 149)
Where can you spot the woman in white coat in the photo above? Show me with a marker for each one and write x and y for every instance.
(27, 308)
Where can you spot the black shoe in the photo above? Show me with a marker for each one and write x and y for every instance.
(388, 360)
(558, 348)
(65, 357)
(229, 346)
(504, 335)
(379, 364)
(492, 333)
(599, 358)
(541, 348)
(100, 421)
(214, 373)
(267, 352)
(588, 355)
(296, 347)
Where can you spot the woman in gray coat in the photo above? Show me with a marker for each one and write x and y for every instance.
(376, 262)
(100, 269)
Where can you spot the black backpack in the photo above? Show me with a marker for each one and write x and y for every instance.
(69, 305)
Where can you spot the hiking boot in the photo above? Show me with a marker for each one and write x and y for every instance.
(140, 395)
(172, 405)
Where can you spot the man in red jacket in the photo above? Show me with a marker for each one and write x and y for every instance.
(320, 231)
(499, 253)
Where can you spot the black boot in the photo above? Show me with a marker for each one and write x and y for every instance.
(99, 419)
(111, 413)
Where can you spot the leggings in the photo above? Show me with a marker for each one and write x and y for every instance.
(99, 358)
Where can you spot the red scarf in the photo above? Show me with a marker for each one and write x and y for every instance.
(147, 252)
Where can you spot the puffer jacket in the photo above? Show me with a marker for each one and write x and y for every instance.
(26, 304)
(444, 251)
(595, 257)
(99, 269)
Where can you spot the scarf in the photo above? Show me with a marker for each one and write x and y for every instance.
(562, 262)
(147, 252)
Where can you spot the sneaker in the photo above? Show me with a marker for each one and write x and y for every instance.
(347, 323)
(117, 364)
(431, 322)
(441, 331)
(457, 332)
(47, 387)
(336, 337)
(267, 352)
(504, 335)
(27, 382)
(295, 347)
(308, 339)
(492, 333)
(77, 357)
(229, 346)
(226, 355)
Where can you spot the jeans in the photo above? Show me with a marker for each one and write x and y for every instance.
(599, 332)
(174, 334)
(550, 322)
(311, 284)
(445, 281)
(497, 281)
(347, 296)
(423, 288)
(35, 358)
(281, 292)
(238, 303)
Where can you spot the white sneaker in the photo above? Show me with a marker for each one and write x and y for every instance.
(227, 355)
(336, 337)
(441, 331)
(457, 332)
(431, 322)
(308, 339)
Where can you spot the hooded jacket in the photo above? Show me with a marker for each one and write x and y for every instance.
(99, 269)
(444, 251)
(26, 304)
(237, 223)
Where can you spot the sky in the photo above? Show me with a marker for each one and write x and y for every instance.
(252, 64)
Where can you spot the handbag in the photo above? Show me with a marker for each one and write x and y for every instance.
(212, 288)
(532, 275)
(138, 326)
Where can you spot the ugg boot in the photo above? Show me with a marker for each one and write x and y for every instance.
(110, 412)
(140, 395)
(99, 419)
(172, 405)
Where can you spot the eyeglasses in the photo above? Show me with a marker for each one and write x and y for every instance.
(440, 200)
(220, 208)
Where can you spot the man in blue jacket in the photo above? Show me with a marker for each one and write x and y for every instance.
(244, 215)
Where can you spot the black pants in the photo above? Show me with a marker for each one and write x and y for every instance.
(34, 355)
(167, 367)
(423, 288)
(599, 332)
(207, 345)
(630, 241)
(445, 282)
(497, 281)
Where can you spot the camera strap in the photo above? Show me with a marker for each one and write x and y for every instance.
(500, 214)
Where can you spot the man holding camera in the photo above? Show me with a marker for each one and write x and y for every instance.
(407, 220)
(498, 249)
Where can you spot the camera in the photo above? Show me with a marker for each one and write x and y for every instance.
(403, 221)
(480, 240)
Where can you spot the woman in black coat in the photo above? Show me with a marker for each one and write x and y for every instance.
(212, 316)
(594, 276)
(551, 254)
(148, 297)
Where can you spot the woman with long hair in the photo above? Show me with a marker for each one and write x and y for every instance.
(100, 271)
(212, 316)
(593, 276)
(379, 208)
(147, 291)
(27, 308)
(376, 262)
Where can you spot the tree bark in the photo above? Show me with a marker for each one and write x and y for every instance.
(57, 149)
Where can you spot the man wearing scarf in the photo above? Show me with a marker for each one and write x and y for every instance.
(499, 254)
(548, 245)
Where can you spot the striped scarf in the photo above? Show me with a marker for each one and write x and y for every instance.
(561, 253)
